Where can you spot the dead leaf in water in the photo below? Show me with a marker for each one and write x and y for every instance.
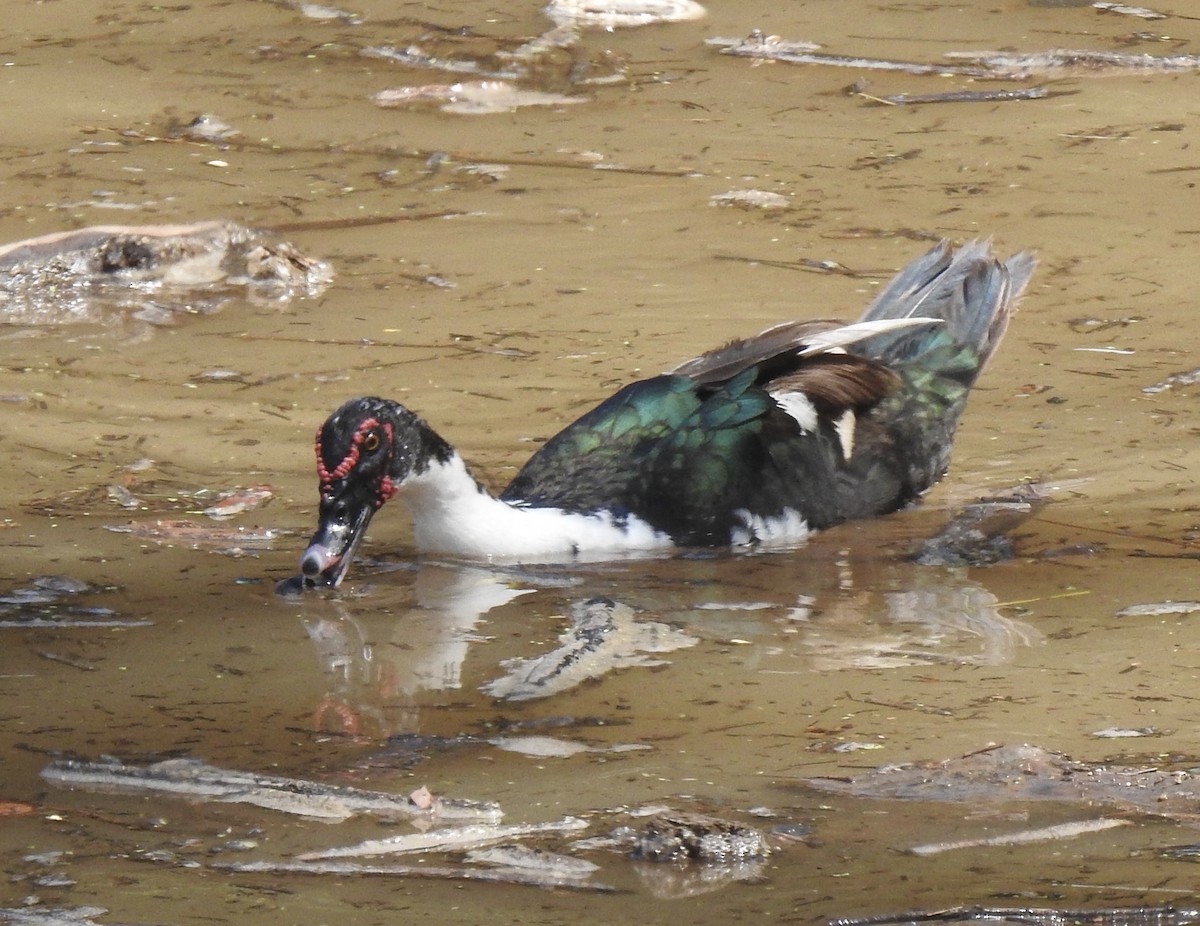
(474, 97)
(236, 501)
(195, 534)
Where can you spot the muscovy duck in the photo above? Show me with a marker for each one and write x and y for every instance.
(759, 442)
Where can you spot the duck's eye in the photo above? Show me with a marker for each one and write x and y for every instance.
(370, 442)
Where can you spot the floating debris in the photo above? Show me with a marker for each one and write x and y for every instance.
(199, 535)
(772, 48)
(560, 37)
(1190, 378)
(987, 65)
(1114, 733)
(45, 589)
(158, 271)
(119, 495)
(415, 57)
(191, 778)
(138, 486)
(539, 746)
(966, 96)
(603, 636)
(218, 376)
(1033, 916)
(769, 45)
(406, 750)
(1140, 12)
(856, 746)
(621, 14)
(1077, 62)
(443, 840)
(52, 601)
(237, 501)
(553, 58)
(493, 173)
(552, 747)
(674, 836)
(205, 128)
(506, 875)
(554, 863)
(321, 12)
(978, 534)
(1027, 773)
(1090, 324)
(1043, 834)
(473, 98)
(1159, 608)
(90, 617)
(751, 199)
(53, 916)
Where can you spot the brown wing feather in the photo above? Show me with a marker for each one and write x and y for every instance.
(726, 362)
(836, 382)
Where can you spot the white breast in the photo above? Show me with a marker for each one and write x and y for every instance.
(453, 514)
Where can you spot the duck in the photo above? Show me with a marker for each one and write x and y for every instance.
(753, 445)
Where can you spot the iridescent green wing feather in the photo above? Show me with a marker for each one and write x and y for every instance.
(593, 463)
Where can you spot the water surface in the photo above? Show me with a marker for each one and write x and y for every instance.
(586, 253)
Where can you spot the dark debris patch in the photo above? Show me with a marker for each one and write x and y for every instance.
(59, 601)
(979, 534)
(677, 836)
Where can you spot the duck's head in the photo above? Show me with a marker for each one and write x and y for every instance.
(365, 452)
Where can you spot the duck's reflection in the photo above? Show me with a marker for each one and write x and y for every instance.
(378, 660)
(939, 622)
(384, 649)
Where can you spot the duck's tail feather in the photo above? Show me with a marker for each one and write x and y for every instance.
(974, 294)
(971, 290)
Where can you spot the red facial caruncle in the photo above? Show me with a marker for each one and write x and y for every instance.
(366, 439)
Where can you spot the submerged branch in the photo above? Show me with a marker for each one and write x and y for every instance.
(983, 65)
(505, 875)
(194, 779)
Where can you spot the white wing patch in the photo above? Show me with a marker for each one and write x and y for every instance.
(845, 432)
(799, 407)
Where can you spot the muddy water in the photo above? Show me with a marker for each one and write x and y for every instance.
(568, 280)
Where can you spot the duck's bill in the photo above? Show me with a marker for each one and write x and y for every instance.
(331, 550)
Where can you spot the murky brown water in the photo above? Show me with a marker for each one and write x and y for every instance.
(569, 280)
